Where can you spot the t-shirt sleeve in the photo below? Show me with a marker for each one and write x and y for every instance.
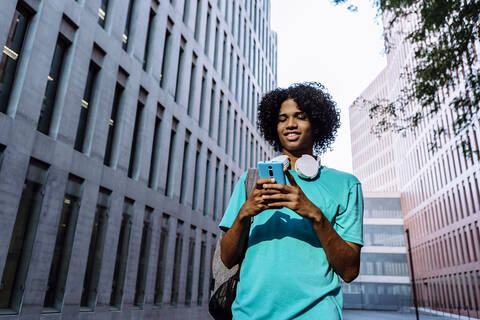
(237, 200)
(349, 223)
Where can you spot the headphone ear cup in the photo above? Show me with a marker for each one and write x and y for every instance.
(307, 167)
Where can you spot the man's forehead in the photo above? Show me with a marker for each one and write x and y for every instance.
(289, 107)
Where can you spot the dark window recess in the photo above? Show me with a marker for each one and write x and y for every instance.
(63, 244)
(198, 176)
(154, 165)
(136, 141)
(202, 99)
(148, 40)
(102, 12)
(206, 193)
(166, 50)
(177, 264)
(185, 169)
(84, 110)
(120, 271)
(198, 22)
(160, 279)
(2, 154)
(11, 53)
(170, 183)
(53, 80)
(181, 58)
(211, 110)
(191, 255)
(95, 252)
(201, 271)
(22, 240)
(113, 124)
(143, 259)
(191, 89)
(126, 32)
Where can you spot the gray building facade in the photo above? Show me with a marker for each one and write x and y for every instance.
(383, 282)
(124, 126)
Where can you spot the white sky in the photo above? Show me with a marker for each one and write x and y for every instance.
(343, 50)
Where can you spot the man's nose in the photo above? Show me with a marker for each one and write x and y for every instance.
(291, 122)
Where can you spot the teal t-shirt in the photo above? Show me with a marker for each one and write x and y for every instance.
(285, 273)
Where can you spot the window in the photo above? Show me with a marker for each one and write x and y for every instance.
(198, 20)
(23, 237)
(224, 56)
(52, 84)
(206, 45)
(221, 120)
(202, 99)
(193, 84)
(84, 121)
(225, 194)
(136, 149)
(177, 264)
(102, 12)
(95, 252)
(148, 40)
(162, 250)
(198, 175)
(170, 183)
(230, 74)
(63, 244)
(2, 154)
(217, 45)
(201, 269)
(143, 258)
(206, 192)
(226, 142)
(167, 49)
(122, 255)
(114, 125)
(191, 261)
(217, 189)
(212, 109)
(234, 142)
(180, 69)
(12, 51)
(155, 155)
(185, 168)
(126, 32)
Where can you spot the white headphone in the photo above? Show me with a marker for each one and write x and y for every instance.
(307, 167)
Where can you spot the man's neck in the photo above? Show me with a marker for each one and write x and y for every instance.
(295, 155)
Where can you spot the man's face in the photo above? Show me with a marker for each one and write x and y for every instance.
(294, 128)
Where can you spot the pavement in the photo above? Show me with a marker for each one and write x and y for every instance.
(389, 315)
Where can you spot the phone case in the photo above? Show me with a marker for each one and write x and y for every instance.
(271, 169)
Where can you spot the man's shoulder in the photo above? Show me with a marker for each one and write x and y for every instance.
(334, 176)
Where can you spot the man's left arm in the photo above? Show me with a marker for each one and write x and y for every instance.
(344, 256)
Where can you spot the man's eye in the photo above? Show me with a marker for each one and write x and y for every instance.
(281, 119)
(302, 116)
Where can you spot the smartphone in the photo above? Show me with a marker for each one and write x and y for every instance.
(271, 169)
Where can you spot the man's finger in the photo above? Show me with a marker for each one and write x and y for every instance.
(290, 178)
(261, 182)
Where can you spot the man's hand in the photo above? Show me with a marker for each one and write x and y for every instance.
(255, 203)
(290, 196)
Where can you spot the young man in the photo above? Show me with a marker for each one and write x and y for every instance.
(304, 234)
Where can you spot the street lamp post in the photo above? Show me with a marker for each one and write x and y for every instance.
(413, 274)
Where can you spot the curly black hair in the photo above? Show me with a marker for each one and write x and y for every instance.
(313, 99)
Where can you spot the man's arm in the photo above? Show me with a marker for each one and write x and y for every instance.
(344, 256)
(234, 241)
